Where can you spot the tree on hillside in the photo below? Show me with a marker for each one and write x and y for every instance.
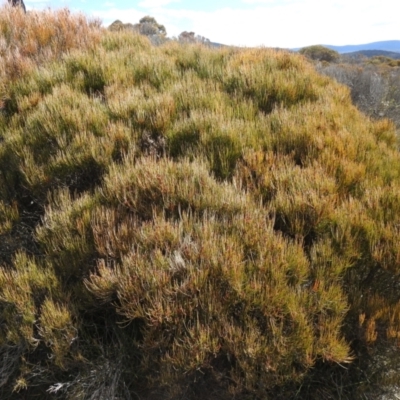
(17, 3)
(191, 37)
(320, 53)
(116, 26)
(148, 26)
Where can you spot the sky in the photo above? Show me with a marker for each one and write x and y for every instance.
(251, 23)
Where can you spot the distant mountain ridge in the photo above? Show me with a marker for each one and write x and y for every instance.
(386, 45)
(372, 53)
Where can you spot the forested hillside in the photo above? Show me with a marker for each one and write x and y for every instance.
(182, 222)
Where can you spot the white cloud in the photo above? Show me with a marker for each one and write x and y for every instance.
(156, 3)
(110, 15)
(272, 2)
(289, 23)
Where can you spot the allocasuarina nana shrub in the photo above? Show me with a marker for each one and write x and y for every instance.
(185, 222)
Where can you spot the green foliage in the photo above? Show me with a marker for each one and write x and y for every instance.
(383, 60)
(179, 221)
(118, 26)
(149, 26)
(320, 53)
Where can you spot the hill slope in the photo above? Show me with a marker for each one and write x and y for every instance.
(187, 222)
(373, 53)
(386, 45)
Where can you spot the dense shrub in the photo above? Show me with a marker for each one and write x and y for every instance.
(28, 40)
(185, 222)
(375, 86)
(320, 53)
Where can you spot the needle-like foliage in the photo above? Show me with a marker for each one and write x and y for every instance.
(185, 222)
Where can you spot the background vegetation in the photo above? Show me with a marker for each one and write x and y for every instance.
(185, 222)
(320, 53)
(374, 80)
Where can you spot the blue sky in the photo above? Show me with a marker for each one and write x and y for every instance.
(271, 23)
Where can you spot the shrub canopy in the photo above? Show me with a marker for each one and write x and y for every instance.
(320, 53)
(184, 221)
